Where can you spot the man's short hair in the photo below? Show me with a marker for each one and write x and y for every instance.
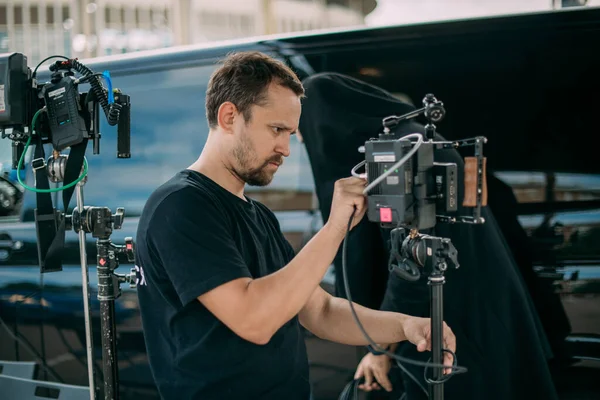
(243, 79)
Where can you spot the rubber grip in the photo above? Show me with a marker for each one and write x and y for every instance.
(124, 132)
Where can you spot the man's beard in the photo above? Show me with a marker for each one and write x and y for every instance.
(246, 156)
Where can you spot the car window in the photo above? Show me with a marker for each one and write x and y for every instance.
(168, 132)
(560, 213)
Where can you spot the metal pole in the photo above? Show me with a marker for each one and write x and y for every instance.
(106, 295)
(109, 349)
(86, 294)
(436, 287)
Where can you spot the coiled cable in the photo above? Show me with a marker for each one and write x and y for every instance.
(112, 110)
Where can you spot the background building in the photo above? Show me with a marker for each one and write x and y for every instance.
(88, 28)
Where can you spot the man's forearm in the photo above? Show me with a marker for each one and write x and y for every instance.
(338, 325)
(278, 297)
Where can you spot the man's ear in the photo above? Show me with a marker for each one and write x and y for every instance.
(226, 116)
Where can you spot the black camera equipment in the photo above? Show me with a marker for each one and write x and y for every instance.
(56, 113)
(407, 191)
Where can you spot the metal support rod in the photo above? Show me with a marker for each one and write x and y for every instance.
(109, 350)
(436, 288)
(85, 283)
(107, 294)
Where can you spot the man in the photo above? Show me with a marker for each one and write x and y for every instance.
(225, 293)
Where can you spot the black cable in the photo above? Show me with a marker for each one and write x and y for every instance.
(356, 319)
(86, 78)
(42, 312)
(31, 350)
(444, 379)
(20, 339)
(46, 59)
(351, 389)
(411, 376)
(457, 369)
(112, 110)
(71, 350)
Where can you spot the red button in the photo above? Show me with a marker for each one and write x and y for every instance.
(385, 214)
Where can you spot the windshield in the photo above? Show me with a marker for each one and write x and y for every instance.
(391, 12)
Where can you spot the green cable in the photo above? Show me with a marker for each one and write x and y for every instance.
(85, 165)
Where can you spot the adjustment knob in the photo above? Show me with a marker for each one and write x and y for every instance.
(130, 249)
(132, 278)
(118, 218)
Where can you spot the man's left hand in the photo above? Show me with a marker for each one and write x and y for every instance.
(418, 331)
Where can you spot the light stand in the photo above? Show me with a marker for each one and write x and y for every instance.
(56, 171)
(436, 282)
(100, 222)
(434, 255)
(68, 119)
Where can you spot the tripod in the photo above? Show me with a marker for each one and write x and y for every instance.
(434, 255)
(99, 222)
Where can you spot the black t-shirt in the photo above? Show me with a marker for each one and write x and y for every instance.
(193, 236)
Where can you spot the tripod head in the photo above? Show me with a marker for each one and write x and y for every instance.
(412, 251)
(99, 221)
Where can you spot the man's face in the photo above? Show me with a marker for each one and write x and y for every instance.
(262, 143)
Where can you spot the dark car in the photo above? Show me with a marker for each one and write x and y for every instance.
(529, 83)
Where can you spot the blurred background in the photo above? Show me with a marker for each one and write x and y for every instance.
(557, 204)
(91, 28)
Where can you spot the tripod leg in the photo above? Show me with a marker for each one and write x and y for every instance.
(436, 288)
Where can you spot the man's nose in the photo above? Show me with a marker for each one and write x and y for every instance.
(283, 146)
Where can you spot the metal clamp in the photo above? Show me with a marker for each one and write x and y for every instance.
(38, 163)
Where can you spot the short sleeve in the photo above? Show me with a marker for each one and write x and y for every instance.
(192, 236)
(291, 253)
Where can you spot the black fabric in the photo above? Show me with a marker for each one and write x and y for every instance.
(337, 117)
(193, 236)
(546, 301)
(51, 252)
(45, 219)
(487, 304)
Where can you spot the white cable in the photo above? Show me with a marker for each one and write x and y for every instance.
(395, 166)
(357, 166)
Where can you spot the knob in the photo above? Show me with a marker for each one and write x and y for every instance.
(130, 249)
(132, 278)
(118, 218)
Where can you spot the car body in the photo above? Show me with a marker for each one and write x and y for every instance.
(527, 82)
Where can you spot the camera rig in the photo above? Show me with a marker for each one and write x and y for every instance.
(407, 191)
(56, 113)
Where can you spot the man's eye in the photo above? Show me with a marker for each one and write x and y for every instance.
(277, 129)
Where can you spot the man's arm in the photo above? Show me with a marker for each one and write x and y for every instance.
(330, 318)
(256, 308)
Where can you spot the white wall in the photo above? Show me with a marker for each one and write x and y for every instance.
(410, 11)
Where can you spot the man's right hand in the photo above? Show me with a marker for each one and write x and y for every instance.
(348, 199)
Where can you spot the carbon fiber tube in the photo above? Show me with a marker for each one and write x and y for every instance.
(436, 289)
(106, 295)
